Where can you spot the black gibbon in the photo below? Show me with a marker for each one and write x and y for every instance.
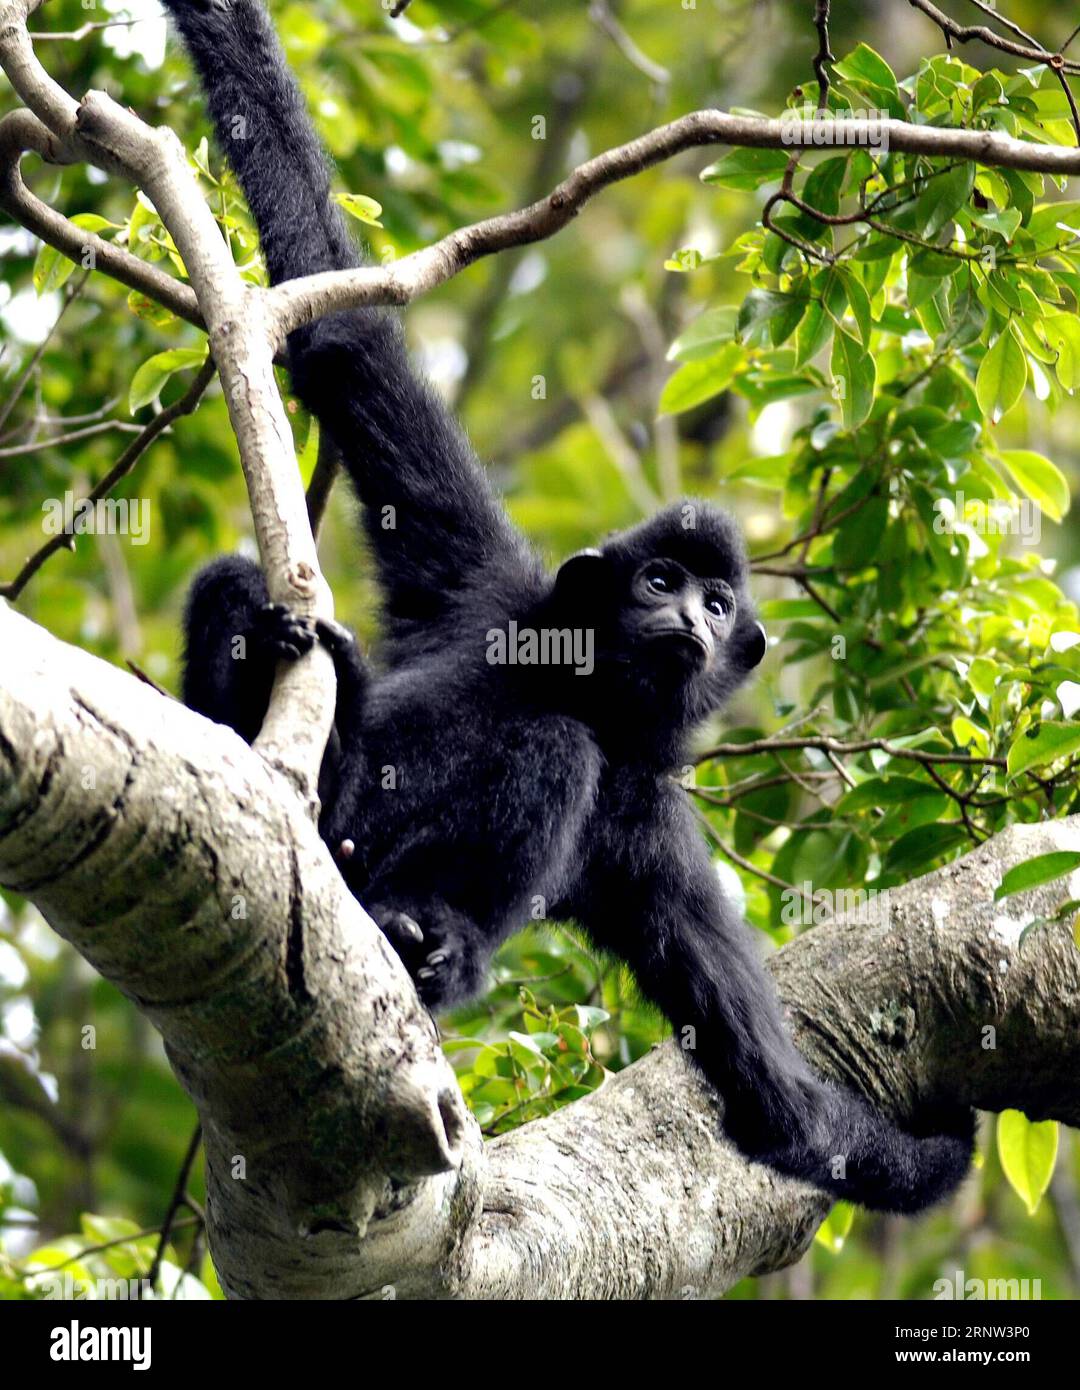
(471, 783)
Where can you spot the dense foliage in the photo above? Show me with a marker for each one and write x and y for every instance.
(870, 356)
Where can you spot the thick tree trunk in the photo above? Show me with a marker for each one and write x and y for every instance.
(341, 1160)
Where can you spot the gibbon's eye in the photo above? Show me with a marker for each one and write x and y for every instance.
(714, 604)
(659, 582)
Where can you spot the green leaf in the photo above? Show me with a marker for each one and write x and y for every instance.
(884, 791)
(836, 1227)
(1028, 1152)
(812, 333)
(148, 381)
(1063, 334)
(987, 89)
(1044, 868)
(968, 319)
(854, 376)
(767, 316)
(308, 456)
(943, 197)
(865, 64)
(859, 302)
(746, 169)
(1040, 479)
(966, 732)
(858, 536)
(94, 222)
(1041, 744)
(1054, 224)
(1002, 376)
(707, 333)
(51, 269)
(363, 209)
(700, 380)
(923, 846)
(150, 310)
(1003, 224)
(824, 185)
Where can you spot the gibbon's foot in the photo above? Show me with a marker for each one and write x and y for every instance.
(444, 956)
(453, 968)
(281, 633)
(402, 931)
(335, 637)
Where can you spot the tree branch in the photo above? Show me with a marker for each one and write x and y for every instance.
(184, 405)
(21, 131)
(300, 301)
(340, 1161)
(296, 726)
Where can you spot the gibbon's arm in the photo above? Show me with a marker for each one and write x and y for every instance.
(661, 908)
(434, 523)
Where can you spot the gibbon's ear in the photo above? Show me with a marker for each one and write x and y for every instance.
(755, 646)
(582, 575)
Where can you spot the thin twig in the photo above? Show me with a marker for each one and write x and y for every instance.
(603, 17)
(1006, 23)
(824, 54)
(297, 302)
(740, 862)
(175, 1203)
(55, 440)
(964, 33)
(126, 462)
(73, 293)
(77, 35)
(822, 743)
(106, 1245)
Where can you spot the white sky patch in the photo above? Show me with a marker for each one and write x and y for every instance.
(760, 526)
(455, 154)
(17, 241)
(1068, 693)
(17, 1021)
(529, 274)
(409, 32)
(772, 431)
(579, 149)
(28, 318)
(443, 360)
(1062, 641)
(37, 937)
(13, 971)
(397, 161)
(145, 39)
(914, 340)
(1070, 582)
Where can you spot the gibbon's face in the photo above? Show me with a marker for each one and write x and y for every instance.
(683, 617)
(673, 619)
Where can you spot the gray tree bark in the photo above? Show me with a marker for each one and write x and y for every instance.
(341, 1160)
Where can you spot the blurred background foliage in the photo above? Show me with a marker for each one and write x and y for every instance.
(841, 389)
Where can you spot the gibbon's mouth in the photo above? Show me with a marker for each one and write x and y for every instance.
(681, 634)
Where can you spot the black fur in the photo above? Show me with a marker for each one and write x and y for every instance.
(460, 795)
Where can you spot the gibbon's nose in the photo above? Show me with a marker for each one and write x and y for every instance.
(692, 617)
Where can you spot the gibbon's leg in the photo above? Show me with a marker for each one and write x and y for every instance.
(233, 640)
(435, 526)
